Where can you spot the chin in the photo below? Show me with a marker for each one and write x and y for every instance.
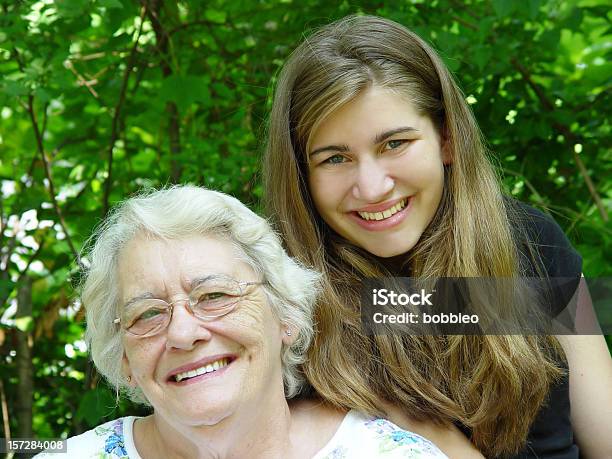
(207, 416)
(388, 253)
(204, 410)
(390, 248)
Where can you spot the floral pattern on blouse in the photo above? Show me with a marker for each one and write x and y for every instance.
(358, 437)
(341, 452)
(107, 441)
(392, 437)
(114, 445)
(383, 439)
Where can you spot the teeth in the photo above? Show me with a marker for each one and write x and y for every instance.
(214, 366)
(385, 213)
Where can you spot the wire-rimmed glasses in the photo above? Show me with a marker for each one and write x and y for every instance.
(210, 298)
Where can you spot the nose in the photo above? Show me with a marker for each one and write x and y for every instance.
(184, 330)
(373, 181)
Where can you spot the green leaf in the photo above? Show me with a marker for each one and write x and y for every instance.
(96, 186)
(481, 56)
(24, 323)
(549, 40)
(452, 63)
(42, 95)
(15, 88)
(110, 4)
(216, 16)
(95, 405)
(185, 90)
(145, 136)
(71, 8)
(503, 8)
(533, 8)
(6, 287)
(574, 19)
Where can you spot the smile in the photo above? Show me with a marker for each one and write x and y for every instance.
(385, 213)
(209, 368)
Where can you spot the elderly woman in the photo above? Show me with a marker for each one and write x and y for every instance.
(194, 309)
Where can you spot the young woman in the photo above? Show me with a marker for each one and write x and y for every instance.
(375, 166)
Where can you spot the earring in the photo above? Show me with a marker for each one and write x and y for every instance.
(129, 379)
(288, 333)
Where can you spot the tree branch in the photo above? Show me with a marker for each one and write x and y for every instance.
(529, 185)
(548, 105)
(43, 128)
(23, 360)
(467, 9)
(465, 23)
(4, 273)
(51, 187)
(82, 81)
(1, 217)
(38, 134)
(116, 115)
(6, 427)
(186, 25)
(567, 133)
(164, 48)
(6, 258)
(70, 141)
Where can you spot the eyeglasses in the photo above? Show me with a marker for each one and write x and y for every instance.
(209, 299)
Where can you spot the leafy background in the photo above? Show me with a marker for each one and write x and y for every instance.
(100, 98)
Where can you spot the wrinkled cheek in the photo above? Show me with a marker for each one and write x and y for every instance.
(140, 357)
(259, 332)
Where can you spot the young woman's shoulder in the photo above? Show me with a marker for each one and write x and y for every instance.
(111, 440)
(540, 232)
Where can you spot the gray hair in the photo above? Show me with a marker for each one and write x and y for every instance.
(182, 211)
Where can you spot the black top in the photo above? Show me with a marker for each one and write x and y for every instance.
(550, 436)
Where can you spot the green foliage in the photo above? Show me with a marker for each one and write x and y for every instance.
(125, 96)
(96, 405)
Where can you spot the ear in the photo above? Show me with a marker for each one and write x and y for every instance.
(445, 150)
(126, 371)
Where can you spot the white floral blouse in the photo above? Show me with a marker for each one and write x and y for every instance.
(358, 437)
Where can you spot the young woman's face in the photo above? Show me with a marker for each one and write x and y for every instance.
(376, 172)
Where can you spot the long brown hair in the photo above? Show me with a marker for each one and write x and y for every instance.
(495, 385)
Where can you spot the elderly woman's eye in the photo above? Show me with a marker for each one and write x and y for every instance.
(213, 299)
(213, 296)
(151, 313)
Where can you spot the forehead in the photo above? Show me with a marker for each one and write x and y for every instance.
(164, 266)
(371, 112)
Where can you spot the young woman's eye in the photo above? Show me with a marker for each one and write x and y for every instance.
(335, 159)
(393, 144)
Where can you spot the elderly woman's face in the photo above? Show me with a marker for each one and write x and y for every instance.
(198, 372)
